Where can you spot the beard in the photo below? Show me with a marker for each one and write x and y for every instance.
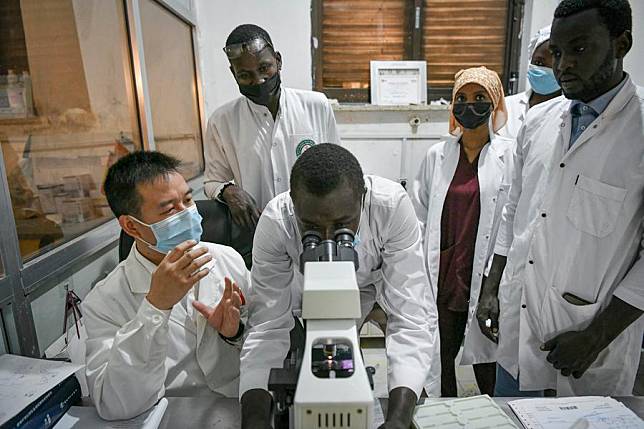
(596, 84)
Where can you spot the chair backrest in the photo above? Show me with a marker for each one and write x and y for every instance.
(218, 227)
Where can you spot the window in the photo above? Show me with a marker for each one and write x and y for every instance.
(67, 112)
(448, 34)
(172, 84)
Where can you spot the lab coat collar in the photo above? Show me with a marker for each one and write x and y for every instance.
(139, 271)
(451, 145)
(616, 105)
(497, 146)
(525, 97)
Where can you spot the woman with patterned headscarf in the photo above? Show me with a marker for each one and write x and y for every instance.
(543, 85)
(458, 195)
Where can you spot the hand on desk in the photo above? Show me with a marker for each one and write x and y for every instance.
(179, 270)
(225, 316)
(242, 206)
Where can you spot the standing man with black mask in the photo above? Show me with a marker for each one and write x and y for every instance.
(253, 141)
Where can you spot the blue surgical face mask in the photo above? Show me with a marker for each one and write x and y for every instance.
(542, 80)
(174, 230)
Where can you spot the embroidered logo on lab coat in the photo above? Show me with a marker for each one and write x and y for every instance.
(303, 146)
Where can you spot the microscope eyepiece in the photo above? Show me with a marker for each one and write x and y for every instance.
(344, 237)
(311, 240)
(314, 249)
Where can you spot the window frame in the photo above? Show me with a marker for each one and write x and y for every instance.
(23, 281)
(414, 18)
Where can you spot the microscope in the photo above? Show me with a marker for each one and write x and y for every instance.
(334, 389)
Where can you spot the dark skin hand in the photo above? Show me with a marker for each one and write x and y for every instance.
(256, 409)
(402, 401)
(575, 351)
(488, 307)
(242, 206)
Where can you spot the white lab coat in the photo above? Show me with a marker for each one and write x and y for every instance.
(137, 353)
(391, 272)
(574, 223)
(428, 194)
(517, 106)
(246, 146)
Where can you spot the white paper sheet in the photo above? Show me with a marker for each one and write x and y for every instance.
(586, 412)
(87, 418)
(23, 380)
(399, 87)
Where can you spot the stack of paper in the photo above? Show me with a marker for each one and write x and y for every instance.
(586, 412)
(87, 418)
(476, 412)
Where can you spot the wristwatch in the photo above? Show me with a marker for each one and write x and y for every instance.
(231, 340)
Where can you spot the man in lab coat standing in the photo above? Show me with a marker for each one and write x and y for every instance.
(167, 320)
(572, 292)
(253, 141)
(330, 192)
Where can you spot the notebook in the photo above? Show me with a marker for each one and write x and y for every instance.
(476, 412)
(583, 412)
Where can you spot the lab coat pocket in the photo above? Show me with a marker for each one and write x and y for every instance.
(559, 316)
(303, 141)
(594, 207)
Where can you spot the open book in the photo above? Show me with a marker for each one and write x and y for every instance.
(581, 412)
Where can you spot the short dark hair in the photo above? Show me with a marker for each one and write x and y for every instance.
(615, 14)
(246, 33)
(136, 168)
(323, 167)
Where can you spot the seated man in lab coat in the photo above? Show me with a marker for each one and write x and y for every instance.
(166, 321)
(329, 192)
(572, 292)
(253, 141)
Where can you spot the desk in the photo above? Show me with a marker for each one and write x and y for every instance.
(223, 413)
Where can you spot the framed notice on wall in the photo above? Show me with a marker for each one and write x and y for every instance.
(398, 82)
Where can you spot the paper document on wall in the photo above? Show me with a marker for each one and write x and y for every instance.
(87, 418)
(23, 380)
(587, 412)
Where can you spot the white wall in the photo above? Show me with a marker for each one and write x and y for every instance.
(634, 62)
(287, 21)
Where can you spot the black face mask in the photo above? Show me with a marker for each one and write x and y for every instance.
(472, 115)
(262, 93)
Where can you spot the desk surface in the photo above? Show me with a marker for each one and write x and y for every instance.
(223, 413)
